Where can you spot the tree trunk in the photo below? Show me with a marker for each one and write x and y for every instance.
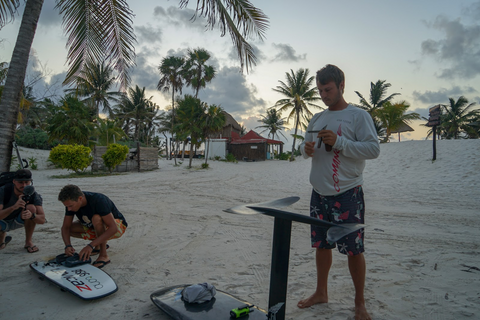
(297, 116)
(10, 102)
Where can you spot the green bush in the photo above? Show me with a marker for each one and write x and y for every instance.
(71, 157)
(204, 165)
(231, 158)
(33, 163)
(116, 154)
(283, 156)
(34, 138)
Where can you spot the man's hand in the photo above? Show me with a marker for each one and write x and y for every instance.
(26, 214)
(69, 251)
(85, 253)
(328, 138)
(309, 148)
(20, 203)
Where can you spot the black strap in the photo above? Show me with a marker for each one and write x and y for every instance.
(7, 193)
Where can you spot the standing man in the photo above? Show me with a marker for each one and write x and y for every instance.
(338, 140)
(20, 209)
(98, 220)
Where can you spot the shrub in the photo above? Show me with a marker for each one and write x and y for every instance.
(204, 165)
(33, 163)
(71, 157)
(34, 138)
(283, 156)
(231, 158)
(116, 154)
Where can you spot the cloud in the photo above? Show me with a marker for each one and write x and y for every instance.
(145, 74)
(49, 17)
(459, 48)
(261, 57)
(148, 35)
(179, 18)
(230, 90)
(287, 53)
(442, 95)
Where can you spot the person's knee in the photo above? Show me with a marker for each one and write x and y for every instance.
(32, 208)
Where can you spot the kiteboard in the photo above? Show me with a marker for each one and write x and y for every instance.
(78, 277)
(169, 300)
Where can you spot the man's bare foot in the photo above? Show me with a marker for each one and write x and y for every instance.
(312, 300)
(361, 313)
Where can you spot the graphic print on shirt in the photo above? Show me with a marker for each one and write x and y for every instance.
(336, 163)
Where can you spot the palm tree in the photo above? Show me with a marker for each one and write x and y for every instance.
(214, 122)
(392, 116)
(300, 92)
(191, 117)
(101, 29)
(71, 122)
(196, 72)
(136, 110)
(108, 131)
(95, 83)
(171, 69)
(456, 118)
(273, 123)
(378, 92)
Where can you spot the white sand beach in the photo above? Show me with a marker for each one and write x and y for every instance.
(422, 240)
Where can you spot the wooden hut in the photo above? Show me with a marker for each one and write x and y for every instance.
(252, 147)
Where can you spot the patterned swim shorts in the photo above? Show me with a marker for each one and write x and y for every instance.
(348, 207)
(91, 235)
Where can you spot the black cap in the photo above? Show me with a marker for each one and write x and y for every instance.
(23, 175)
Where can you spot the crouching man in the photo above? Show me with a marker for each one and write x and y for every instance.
(98, 221)
(20, 207)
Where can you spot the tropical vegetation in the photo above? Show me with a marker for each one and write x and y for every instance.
(300, 93)
(101, 31)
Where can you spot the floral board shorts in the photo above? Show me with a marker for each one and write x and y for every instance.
(91, 235)
(348, 207)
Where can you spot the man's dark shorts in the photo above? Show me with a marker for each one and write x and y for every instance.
(348, 207)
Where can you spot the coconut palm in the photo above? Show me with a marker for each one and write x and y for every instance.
(300, 92)
(101, 29)
(214, 122)
(457, 116)
(392, 116)
(108, 131)
(135, 111)
(378, 91)
(171, 69)
(273, 123)
(71, 122)
(196, 71)
(95, 83)
(191, 118)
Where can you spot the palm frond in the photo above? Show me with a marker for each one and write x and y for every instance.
(232, 16)
(98, 31)
(8, 8)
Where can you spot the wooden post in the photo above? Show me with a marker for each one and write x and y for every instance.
(138, 156)
(434, 143)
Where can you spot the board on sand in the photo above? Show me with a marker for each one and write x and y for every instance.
(170, 301)
(83, 280)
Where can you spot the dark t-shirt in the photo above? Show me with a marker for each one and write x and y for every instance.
(36, 199)
(97, 203)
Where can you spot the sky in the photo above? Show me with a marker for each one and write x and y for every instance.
(429, 51)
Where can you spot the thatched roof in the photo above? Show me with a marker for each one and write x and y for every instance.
(230, 121)
(403, 128)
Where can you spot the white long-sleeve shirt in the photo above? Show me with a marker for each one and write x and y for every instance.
(341, 169)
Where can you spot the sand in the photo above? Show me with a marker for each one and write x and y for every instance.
(422, 239)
